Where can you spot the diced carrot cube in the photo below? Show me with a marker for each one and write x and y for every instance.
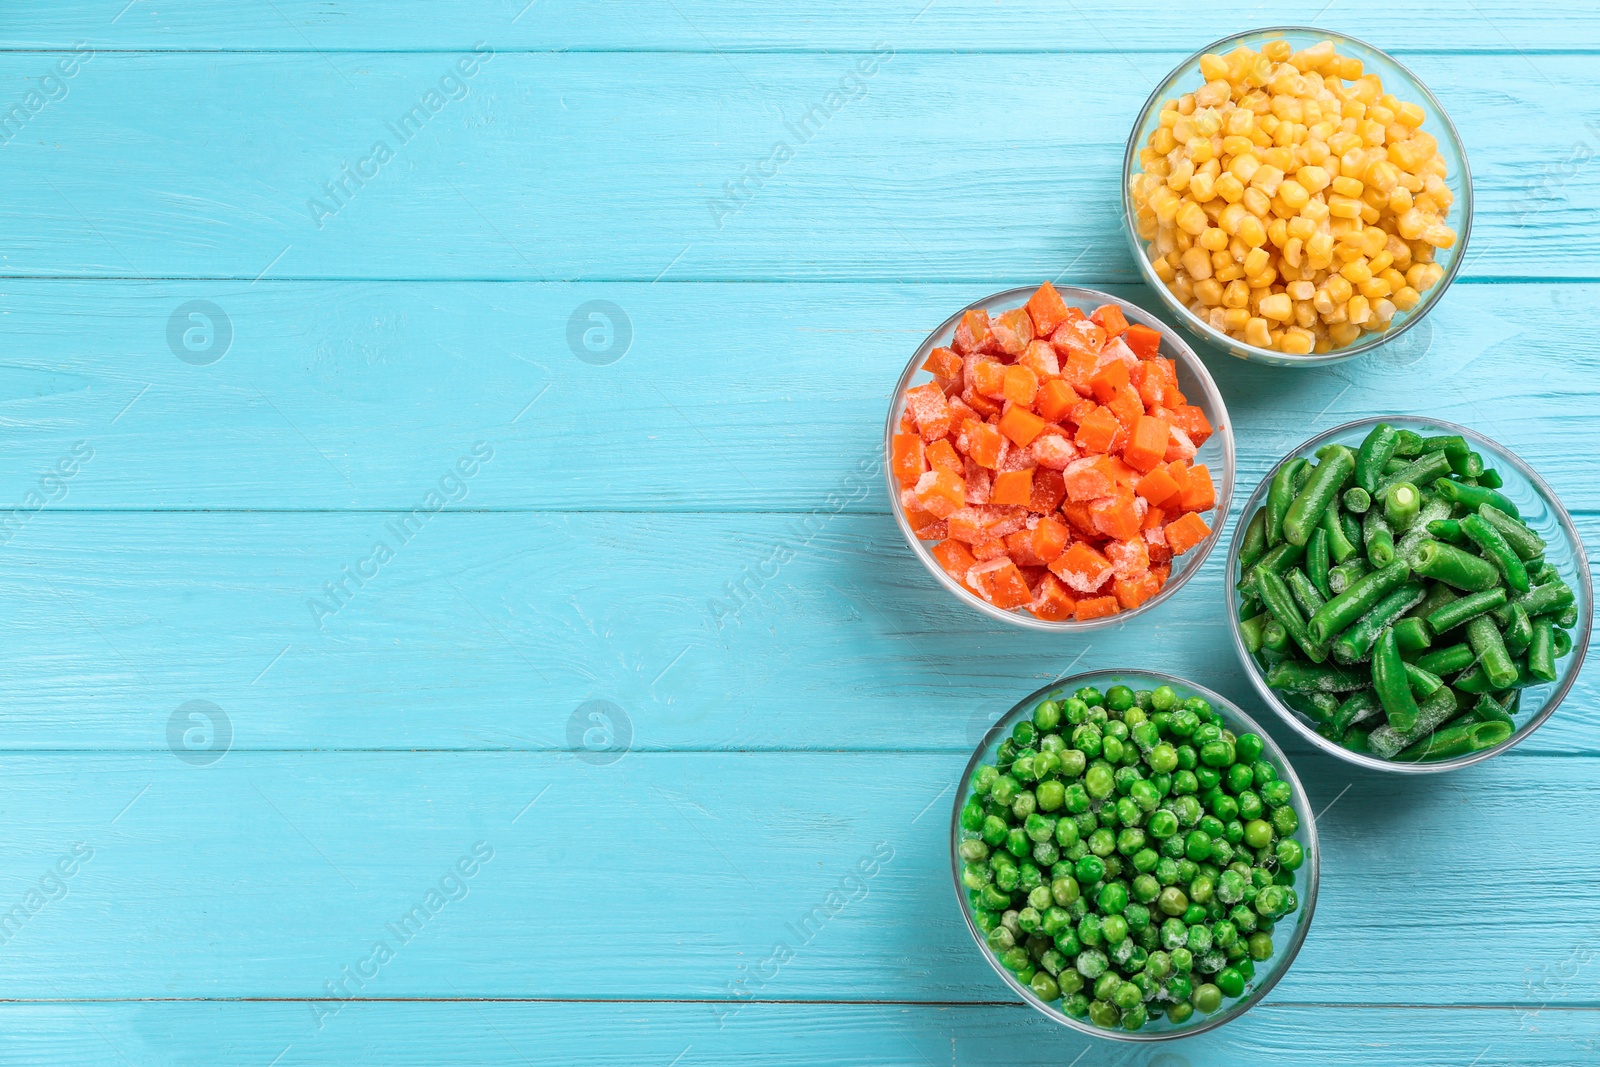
(1048, 491)
(1049, 539)
(1107, 380)
(1200, 494)
(1013, 487)
(1126, 406)
(1179, 469)
(1161, 572)
(1021, 425)
(1131, 592)
(1117, 349)
(1156, 543)
(1053, 450)
(980, 404)
(1012, 331)
(1040, 358)
(1095, 608)
(927, 405)
(1193, 422)
(1089, 478)
(1129, 559)
(999, 582)
(1079, 369)
(1016, 459)
(1082, 568)
(1179, 445)
(1046, 309)
(1109, 317)
(983, 444)
(1158, 486)
(1145, 342)
(1154, 518)
(989, 377)
(973, 333)
(1097, 430)
(955, 558)
(941, 493)
(1019, 546)
(1157, 382)
(1053, 602)
(979, 481)
(941, 455)
(1020, 385)
(1121, 473)
(1078, 518)
(1080, 410)
(1116, 516)
(1055, 399)
(993, 548)
(1078, 334)
(1184, 532)
(926, 526)
(1148, 445)
(907, 458)
(943, 363)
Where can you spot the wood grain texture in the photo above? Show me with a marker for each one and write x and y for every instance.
(548, 168)
(488, 631)
(657, 876)
(476, 1034)
(813, 25)
(729, 397)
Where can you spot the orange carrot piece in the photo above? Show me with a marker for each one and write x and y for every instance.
(1095, 608)
(1048, 490)
(1116, 516)
(1079, 369)
(943, 363)
(1129, 559)
(973, 333)
(989, 377)
(983, 444)
(1145, 342)
(1021, 384)
(1200, 494)
(1055, 399)
(1097, 430)
(1078, 335)
(1013, 488)
(1127, 407)
(1109, 318)
(980, 404)
(1154, 518)
(1157, 487)
(991, 548)
(1192, 421)
(1047, 310)
(1184, 532)
(1147, 446)
(1049, 539)
(1108, 379)
(999, 582)
(955, 558)
(1054, 601)
(1021, 425)
(927, 405)
(1012, 331)
(907, 458)
(941, 455)
(1082, 568)
(941, 493)
(1131, 592)
(1089, 478)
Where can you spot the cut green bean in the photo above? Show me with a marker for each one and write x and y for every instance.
(1285, 484)
(1274, 636)
(1474, 680)
(1497, 551)
(1317, 561)
(1452, 566)
(1386, 741)
(1356, 500)
(1357, 639)
(1280, 602)
(1423, 470)
(1401, 503)
(1340, 545)
(1336, 463)
(1408, 443)
(1433, 507)
(1347, 574)
(1392, 685)
(1359, 707)
(1547, 599)
(1487, 709)
(1413, 635)
(1305, 593)
(1448, 660)
(1310, 678)
(1351, 527)
(1518, 633)
(1563, 642)
(1377, 538)
(1376, 449)
(1355, 602)
(1475, 496)
(1567, 617)
(1254, 545)
(1465, 609)
(1447, 530)
(1518, 535)
(1277, 560)
(1541, 652)
(1542, 572)
(1490, 479)
(1250, 632)
(1423, 683)
(1490, 648)
(1438, 596)
(1457, 739)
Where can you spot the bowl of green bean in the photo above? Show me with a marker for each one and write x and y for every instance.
(1408, 594)
(1133, 855)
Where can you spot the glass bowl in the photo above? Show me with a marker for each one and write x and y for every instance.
(1398, 80)
(1193, 378)
(1540, 509)
(1286, 939)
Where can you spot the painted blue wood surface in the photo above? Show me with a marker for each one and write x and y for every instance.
(776, 734)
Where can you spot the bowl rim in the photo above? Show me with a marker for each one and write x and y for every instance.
(1312, 866)
(1580, 640)
(1266, 355)
(1189, 362)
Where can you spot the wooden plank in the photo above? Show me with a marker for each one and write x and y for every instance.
(490, 631)
(536, 171)
(658, 876)
(473, 1034)
(726, 397)
(965, 25)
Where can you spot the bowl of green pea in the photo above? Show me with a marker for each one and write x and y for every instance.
(1408, 594)
(1133, 856)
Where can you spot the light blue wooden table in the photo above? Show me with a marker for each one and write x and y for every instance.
(306, 420)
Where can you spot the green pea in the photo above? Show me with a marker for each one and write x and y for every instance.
(1163, 758)
(1091, 869)
(1073, 762)
(1091, 963)
(1197, 845)
(1050, 795)
(1172, 901)
(1114, 928)
(1290, 854)
(1276, 793)
(1208, 777)
(1217, 753)
(1077, 798)
(1075, 711)
(1090, 696)
(1207, 999)
(1184, 782)
(1258, 833)
(1230, 981)
(1179, 1012)
(1102, 842)
(1182, 960)
(1130, 998)
(1237, 778)
(1250, 806)
(1005, 789)
(1047, 715)
(1260, 947)
(1285, 821)
(1098, 781)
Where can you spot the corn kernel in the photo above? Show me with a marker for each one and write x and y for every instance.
(1343, 333)
(1208, 291)
(1257, 333)
(1405, 298)
(1256, 261)
(1297, 342)
(1360, 310)
(1409, 114)
(1191, 218)
(1255, 235)
(1347, 186)
(1344, 207)
(1197, 264)
(1230, 188)
(1277, 307)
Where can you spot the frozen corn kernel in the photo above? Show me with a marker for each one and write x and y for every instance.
(1291, 201)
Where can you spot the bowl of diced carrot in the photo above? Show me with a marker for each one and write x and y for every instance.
(1058, 458)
